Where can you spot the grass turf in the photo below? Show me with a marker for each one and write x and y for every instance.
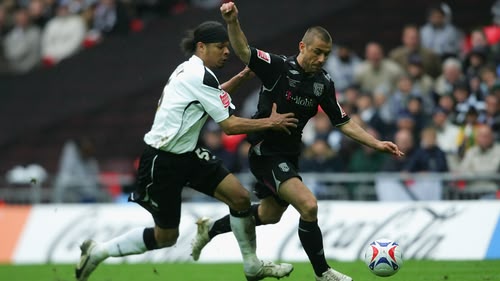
(411, 271)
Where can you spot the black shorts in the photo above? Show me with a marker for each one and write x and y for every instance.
(162, 176)
(270, 172)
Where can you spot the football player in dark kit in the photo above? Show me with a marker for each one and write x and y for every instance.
(296, 84)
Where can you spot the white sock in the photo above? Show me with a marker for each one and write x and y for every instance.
(244, 231)
(130, 243)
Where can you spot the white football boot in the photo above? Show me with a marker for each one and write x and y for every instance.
(333, 275)
(201, 239)
(88, 262)
(270, 269)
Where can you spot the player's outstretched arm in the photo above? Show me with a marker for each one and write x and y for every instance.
(236, 36)
(235, 82)
(354, 131)
(280, 122)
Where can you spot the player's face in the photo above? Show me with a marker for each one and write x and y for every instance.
(314, 55)
(216, 54)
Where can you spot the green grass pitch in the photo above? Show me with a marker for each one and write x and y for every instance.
(411, 271)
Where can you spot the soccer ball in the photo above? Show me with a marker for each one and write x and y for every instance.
(383, 257)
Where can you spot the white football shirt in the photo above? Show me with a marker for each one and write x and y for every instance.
(191, 95)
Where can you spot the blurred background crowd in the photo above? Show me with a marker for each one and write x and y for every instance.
(430, 84)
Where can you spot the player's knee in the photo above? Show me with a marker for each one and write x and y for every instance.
(240, 201)
(309, 209)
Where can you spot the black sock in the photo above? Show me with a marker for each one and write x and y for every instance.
(149, 238)
(223, 225)
(312, 241)
(220, 226)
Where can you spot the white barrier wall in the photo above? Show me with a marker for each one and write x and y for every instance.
(434, 230)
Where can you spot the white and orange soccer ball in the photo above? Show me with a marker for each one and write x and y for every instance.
(383, 257)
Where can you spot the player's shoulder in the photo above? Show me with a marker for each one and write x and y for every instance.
(324, 76)
(266, 56)
(197, 74)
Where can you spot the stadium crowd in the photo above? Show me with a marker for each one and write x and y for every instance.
(41, 33)
(436, 95)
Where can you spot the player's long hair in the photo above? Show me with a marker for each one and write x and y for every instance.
(188, 46)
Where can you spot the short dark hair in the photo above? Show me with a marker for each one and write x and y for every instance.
(316, 31)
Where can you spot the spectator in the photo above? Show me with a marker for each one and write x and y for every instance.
(440, 35)
(348, 99)
(464, 101)
(488, 77)
(428, 157)
(370, 116)
(422, 82)
(478, 40)
(110, 18)
(211, 138)
(80, 6)
(404, 140)
(491, 116)
(366, 159)
(78, 177)
(447, 103)
(430, 62)
(340, 65)
(452, 74)
(22, 44)
(446, 135)
(405, 121)
(416, 108)
(488, 38)
(39, 13)
(376, 70)
(380, 97)
(474, 62)
(320, 127)
(320, 157)
(4, 27)
(477, 89)
(63, 35)
(398, 101)
(482, 158)
(467, 134)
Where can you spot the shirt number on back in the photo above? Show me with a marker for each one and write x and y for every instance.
(202, 153)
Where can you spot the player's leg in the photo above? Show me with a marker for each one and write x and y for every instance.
(303, 200)
(268, 211)
(164, 205)
(242, 224)
(136, 241)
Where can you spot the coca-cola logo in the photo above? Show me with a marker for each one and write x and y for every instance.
(416, 228)
(94, 223)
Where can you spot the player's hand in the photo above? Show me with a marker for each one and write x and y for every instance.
(282, 122)
(229, 12)
(389, 147)
(246, 73)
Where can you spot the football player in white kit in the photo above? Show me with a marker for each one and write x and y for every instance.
(172, 159)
